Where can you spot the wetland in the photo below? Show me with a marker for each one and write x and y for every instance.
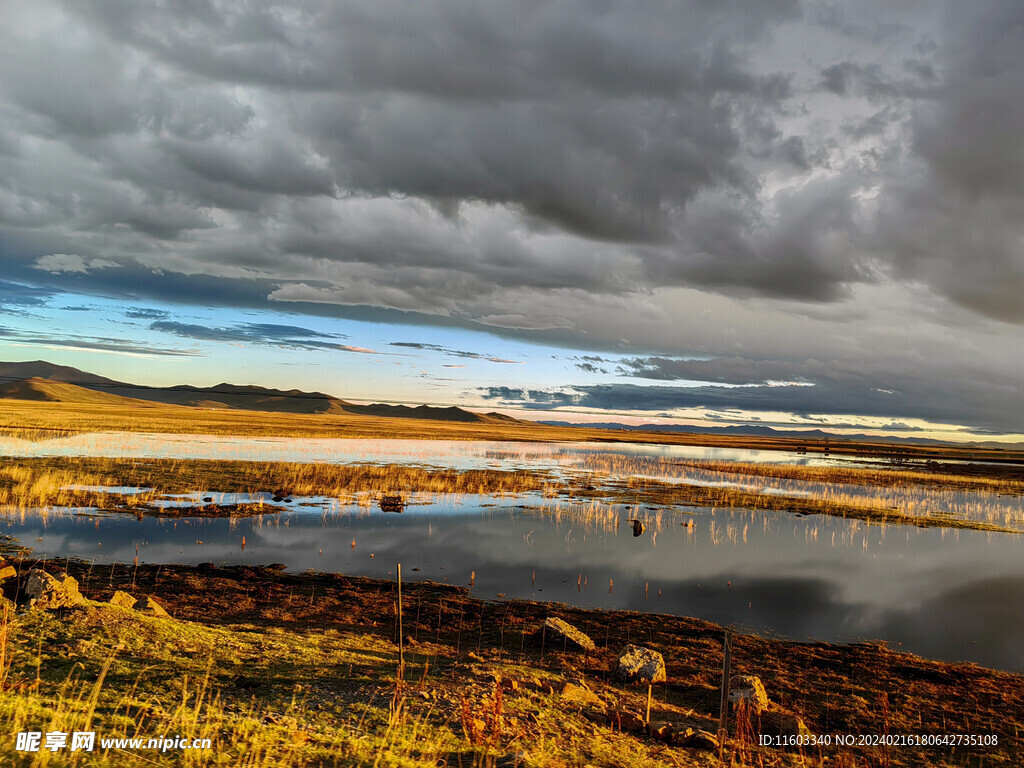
(804, 556)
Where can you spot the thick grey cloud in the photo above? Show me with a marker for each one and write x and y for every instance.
(581, 119)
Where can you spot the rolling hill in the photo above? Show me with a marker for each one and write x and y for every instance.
(42, 381)
(45, 390)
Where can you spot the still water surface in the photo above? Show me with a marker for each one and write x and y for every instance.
(941, 594)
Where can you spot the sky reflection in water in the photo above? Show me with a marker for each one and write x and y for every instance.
(942, 594)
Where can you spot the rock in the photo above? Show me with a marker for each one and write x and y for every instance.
(751, 689)
(392, 503)
(573, 693)
(639, 663)
(783, 724)
(625, 720)
(638, 527)
(8, 572)
(660, 731)
(702, 740)
(680, 735)
(564, 629)
(599, 716)
(123, 600)
(49, 592)
(150, 606)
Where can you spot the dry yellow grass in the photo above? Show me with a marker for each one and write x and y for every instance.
(49, 418)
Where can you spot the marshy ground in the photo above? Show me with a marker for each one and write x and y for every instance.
(79, 482)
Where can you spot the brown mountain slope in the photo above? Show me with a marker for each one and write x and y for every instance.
(25, 381)
(39, 389)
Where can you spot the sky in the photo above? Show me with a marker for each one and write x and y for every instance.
(789, 212)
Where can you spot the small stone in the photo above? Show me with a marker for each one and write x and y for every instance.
(150, 606)
(599, 716)
(783, 724)
(660, 731)
(703, 740)
(8, 572)
(123, 599)
(573, 636)
(639, 663)
(48, 592)
(751, 689)
(393, 503)
(510, 684)
(579, 695)
(680, 735)
(625, 720)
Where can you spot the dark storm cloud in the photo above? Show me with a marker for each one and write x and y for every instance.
(496, 105)
(953, 221)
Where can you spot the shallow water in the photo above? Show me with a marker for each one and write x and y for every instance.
(458, 454)
(942, 594)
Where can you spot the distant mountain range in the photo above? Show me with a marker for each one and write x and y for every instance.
(753, 430)
(42, 381)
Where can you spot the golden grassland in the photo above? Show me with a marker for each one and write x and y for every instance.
(947, 479)
(26, 418)
(303, 670)
(56, 481)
